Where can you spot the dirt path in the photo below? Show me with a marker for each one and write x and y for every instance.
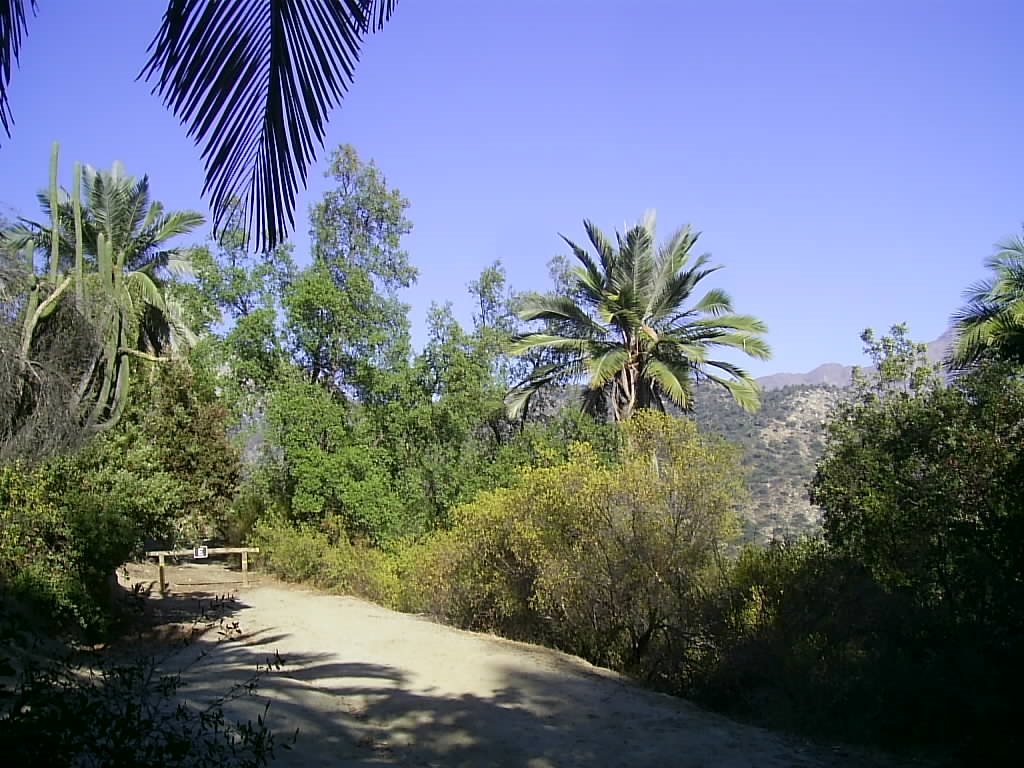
(367, 686)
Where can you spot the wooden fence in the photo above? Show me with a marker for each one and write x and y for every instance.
(201, 553)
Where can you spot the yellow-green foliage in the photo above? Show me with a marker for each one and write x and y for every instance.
(606, 560)
(322, 556)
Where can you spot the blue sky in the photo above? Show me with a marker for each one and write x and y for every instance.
(850, 163)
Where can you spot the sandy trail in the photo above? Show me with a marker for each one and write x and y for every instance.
(367, 686)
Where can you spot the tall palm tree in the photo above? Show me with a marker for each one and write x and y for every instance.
(253, 81)
(992, 321)
(628, 332)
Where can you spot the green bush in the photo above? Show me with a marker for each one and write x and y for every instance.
(902, 625)
(796, 645)
(39, 558)
(292, 551)
(922, 483)
(604, 560)
(65, 533)
(324, 557)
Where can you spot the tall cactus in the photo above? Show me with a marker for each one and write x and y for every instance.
(103, 297)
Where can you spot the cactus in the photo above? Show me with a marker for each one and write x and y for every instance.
(104, 297)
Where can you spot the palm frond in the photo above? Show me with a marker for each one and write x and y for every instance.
(715, 302)
(518, 399)
(13, 24)
(180, 336)
(992, 320)
(591, 290)
(744, 390)
(561, 309)
(254, 80)
(669, 348)
(745, 323)
(145, 290)
(526, 342)
(592, 274)
(603, 367)
(636, 262)
(677, 288)
(135, 199)
(179, 264)
(672, 378)
(603, 246)
(675, 254)
(175, 224)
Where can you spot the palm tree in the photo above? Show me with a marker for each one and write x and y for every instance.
(992, 321)
(117, 259)
(116, 209)
(253, 80)
(627, 330)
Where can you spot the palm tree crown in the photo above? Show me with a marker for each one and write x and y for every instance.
(628, 331)
(992, 321)
(254, 81)
(117, 214)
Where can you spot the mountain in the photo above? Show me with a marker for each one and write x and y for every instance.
(838, 375)
(827, 375)
(783, 441)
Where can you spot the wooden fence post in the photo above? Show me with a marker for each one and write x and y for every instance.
(165, 553)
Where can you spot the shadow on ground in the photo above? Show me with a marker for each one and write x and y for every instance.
(350, 713)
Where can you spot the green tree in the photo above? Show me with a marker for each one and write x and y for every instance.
(922, 484)
(627, 330)
(455, 426)
(235, 298)
(253, 81)
(917, 481)
(329, 465)
(343, 317)
(992, 321)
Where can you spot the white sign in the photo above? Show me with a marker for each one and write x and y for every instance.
(200, 553)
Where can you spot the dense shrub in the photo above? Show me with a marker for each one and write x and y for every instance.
(923, 485)
(38, 556)
(795, 633)
(903, 624)
(605, 560)
(324, 557)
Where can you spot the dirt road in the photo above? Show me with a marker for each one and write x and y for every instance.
(366, 686)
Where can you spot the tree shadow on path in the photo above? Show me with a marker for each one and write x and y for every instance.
(353, 713)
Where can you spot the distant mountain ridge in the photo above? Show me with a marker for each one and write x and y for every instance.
(838, 375)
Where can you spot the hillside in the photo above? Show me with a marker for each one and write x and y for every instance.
(781, 443)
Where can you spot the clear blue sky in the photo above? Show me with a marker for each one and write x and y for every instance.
(850, 163)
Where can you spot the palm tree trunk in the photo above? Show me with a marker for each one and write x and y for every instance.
(624, 395)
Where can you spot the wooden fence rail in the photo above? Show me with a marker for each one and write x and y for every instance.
(160, 554)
